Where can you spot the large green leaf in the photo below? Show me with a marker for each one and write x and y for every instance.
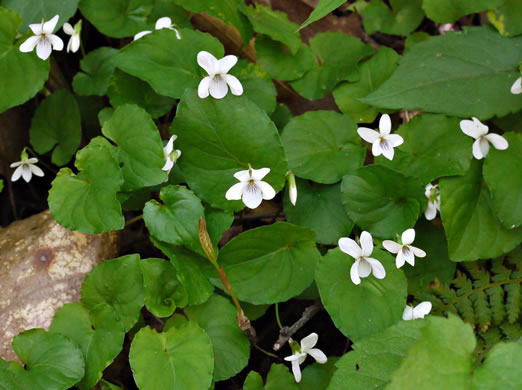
(98, 333)
(372, 74)
(433, 147)
(57, 122)
(118, 285)
(98, 67)
(270, 263)
(278, 378)
(221, 137)
(504, 184)
(27, 73)
(471, 225)
(373, 359)
(382, 201)
(33, 11)
(507, 18)
(163, 290)
(87, 201)
(52, 361)
(7, 378)
(337, 55)
(176, 220)
(218, 318)
(140, 150)
(440, 359)
(117, 18)
(167, 63)
(323, 8)
(465, 73)
(317, 376)
(275, 24)
(180, 358)
(449, 11)
(319, 207)
(125, 88)
(360, 310)
(501, 369)
(257, 85)
(226, 10)
(323, 146)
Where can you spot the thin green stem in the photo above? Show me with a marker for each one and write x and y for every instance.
(266, 352)
(132, 220)
(40, 161)
(277, 316)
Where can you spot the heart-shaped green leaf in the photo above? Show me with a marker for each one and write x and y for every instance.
(98, 67)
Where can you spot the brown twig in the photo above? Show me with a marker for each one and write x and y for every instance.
(288, 331)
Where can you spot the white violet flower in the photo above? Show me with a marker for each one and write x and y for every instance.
(171, 155)
(163, 22)
(292, 188)
(382, 141)
(364, 264)
(432, 192)
(25, 168)
(405, 251)
(516, 88)
(419, 311)
(74, 41)
(250, 187)
(300, 352)
(43, 39)
(479, 131)
(218, 81)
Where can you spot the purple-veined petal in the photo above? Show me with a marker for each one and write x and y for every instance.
(378, 270)
(236, 191)
(422, 309)
(141, 34)
(29, 44)
(350, 247)
(407, 315)
(234, 84)
(394, 140)
(43, 48)
(203, 87)
(208, 62)
(218, 87)
(368, 135)
(365, 269)
(56, 42)
(226, 63)
(48, 27)
(267, 190)
(366, 241)
(498, 141)
(26, 172)
(309, 342)
(68, 29)
(17, 174)
(354, 272)
(318, 355)
(259, 174)
(408, 255)
(431, 211)
(163, 22)
(385, 124)
(391, 246)
(252, 196)
(376, 148)
(399, 260)
(387, 150)
(516, 88)
(417, 251)
(408, 236)
(36, 170)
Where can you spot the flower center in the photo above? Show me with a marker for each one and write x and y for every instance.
(406, 250)
(384, 144)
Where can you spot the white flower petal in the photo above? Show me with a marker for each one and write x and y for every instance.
(226, 63)
(367, 134)
(68, 29)
(48, 27)
(354, 273)
(170, 145)
(365, 269)
(399, 260)
(408, 255)
(498, 141)
(259, 174)
(235, 85)
(26, 172)
(169, 164)
(292, 194)
(417, 251)
(408, 236)
(74, 44)
(163, 22)
(252, 196)
(208, 62)
(378, 270)
(295, 357)
(431, 211)
(422, 309)
(218, 87)
(43, 48)
(17, 174)
(472, 129)
(309, 342)
(516, 88)
(484, 146)
(385, 124)
(391, 246)
(29, 44)
(267, 190)
(177, 33)
(296, 370)
(477, 151)
(376, 148)
(407, 315)
(36, 28)
(318, 355)
(350, 247)
(366, 243)
(394, 140)
(16, 164)
(387, 150)
(203, 87)
(36, 170)
(243, 175)
(236, 191)
(56, 41)
(32, 160)
(141, 34)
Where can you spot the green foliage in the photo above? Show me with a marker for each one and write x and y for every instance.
(449, 11)
(449, 75)
(56, 126)
(33, 11)
(278, 378)
(257, 85)
(323, 8)
(98, 67)
(500, 370)
(507, 18)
